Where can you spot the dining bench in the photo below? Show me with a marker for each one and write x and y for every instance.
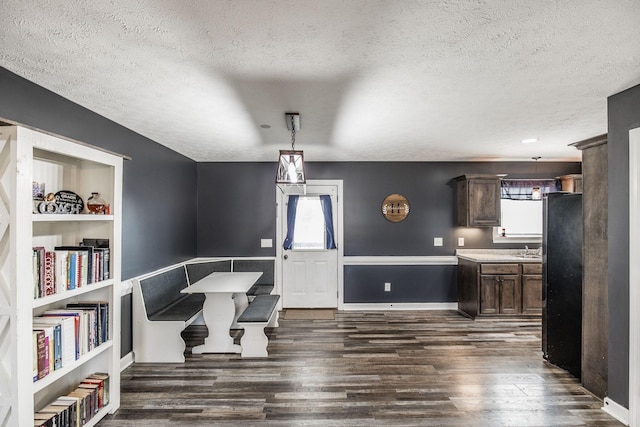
(161, 312)
(261, 313)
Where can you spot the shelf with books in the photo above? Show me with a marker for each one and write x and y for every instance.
(62, 296)
(66, 173)
(54, 376)
(58, 269)
(87, 403)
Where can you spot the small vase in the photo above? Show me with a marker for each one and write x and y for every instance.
(96, 205)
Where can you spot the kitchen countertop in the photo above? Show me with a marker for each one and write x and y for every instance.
(498, 255)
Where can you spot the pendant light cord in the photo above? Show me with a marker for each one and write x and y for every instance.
(293, 134)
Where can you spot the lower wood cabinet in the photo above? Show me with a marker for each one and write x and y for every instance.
(532, 289)
(499, 289)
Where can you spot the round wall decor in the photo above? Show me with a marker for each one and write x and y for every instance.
(395, 207)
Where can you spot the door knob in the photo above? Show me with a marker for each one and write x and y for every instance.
(286, 257)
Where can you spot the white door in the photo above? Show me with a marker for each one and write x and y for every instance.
(309, 270)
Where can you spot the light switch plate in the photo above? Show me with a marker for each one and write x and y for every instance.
(460, 241)
(437, 241)
(266, 243)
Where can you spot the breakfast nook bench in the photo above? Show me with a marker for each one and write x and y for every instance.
(163, 305)
(161, 311)
(260, 313)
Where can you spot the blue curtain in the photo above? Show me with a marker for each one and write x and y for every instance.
(291, 221)
(521, 189)
(325, 202)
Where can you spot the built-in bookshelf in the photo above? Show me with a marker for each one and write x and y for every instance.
(31, 160)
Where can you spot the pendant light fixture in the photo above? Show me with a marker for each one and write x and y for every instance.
(536, 194)
(291, 162)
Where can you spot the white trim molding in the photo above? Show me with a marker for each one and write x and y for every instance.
(616, 410)
(634, 277)
(401, 306)
(126, 361)
(400, 260)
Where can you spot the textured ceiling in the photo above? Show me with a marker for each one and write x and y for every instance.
(372, 80)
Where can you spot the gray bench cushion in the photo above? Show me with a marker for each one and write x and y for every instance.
(260, 290)
(260, 309)
(183, 309)
(162, 290)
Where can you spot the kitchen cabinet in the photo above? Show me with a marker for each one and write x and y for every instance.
(478, 200)
(499, 288)
(532, 289)
(571, 183)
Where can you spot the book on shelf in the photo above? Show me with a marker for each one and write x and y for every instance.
(67, 336)
(77, 407)
(86, 404)
(38, 271)
(53, 335)
(103, 379)
(76, 316)
(40, 355)
(101, 322)
(100, 246)
(45, 350)
(70, 267)
(73, 405)
(82, 271)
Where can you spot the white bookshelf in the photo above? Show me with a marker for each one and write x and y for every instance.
(26, 156)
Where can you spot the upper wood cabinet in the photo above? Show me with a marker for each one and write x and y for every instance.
(478, 200)
(571, 183)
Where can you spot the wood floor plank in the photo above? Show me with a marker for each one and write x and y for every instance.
(383, 368)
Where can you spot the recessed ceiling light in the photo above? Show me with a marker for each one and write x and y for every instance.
(529, 140)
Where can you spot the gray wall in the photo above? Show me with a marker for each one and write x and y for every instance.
(236, 208)
(624, 115)
(159, 188)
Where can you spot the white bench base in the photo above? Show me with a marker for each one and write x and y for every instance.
(157, 341)
(254, 342)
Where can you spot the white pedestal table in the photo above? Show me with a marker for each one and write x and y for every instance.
(226, 298)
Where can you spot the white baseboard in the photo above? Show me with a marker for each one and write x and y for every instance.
(126, 361)
(616, 410)
(401, 306)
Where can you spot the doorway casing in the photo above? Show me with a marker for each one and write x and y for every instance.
(281, 198)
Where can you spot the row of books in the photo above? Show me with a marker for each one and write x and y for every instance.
(68, 267)
(78, 407)
(61, 336)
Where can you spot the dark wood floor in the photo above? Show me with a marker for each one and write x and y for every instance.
(393, 368)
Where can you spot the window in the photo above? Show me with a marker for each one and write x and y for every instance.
(521, 221)
(309, 230)
(309, 223)
(521, 213)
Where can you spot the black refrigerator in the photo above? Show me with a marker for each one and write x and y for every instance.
(562, 280)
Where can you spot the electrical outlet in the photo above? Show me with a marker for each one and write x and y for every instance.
(437, 241)
(460, 241)
(387, 287)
